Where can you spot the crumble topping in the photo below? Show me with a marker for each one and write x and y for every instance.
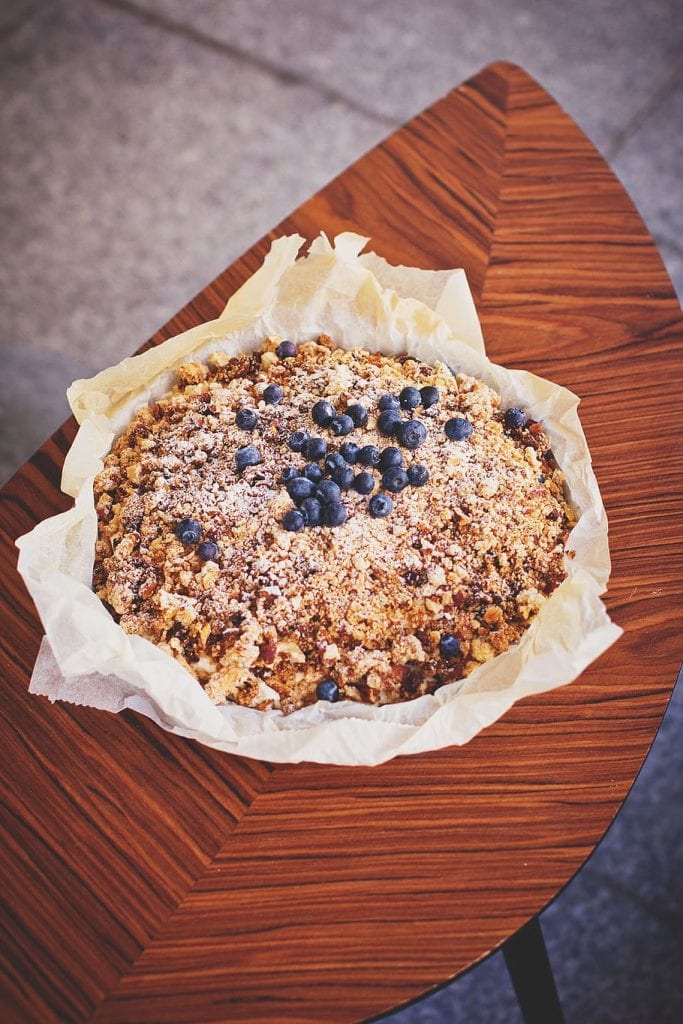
(378, 608)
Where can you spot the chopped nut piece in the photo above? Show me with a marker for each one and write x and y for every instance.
(481, 650)
(493, 615)
(218, 360)
(291, 651)
(436, 576)
(192, 373)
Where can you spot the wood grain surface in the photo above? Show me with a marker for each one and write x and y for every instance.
(149, 879)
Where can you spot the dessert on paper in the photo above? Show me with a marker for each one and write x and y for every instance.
(440, 630)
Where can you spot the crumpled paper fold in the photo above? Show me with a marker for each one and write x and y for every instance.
(360, 301)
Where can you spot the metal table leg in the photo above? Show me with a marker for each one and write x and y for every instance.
(527, 962)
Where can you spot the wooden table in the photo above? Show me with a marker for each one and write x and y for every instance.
(147, 878)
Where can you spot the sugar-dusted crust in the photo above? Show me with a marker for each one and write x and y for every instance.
(473, 553)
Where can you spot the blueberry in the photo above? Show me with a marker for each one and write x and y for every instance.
(449, 646)
(208, 551)
(358, 413)
(429, 396)
(389, 457)
(387, 422)
(380, 505)
(417, 475)
(369, 455)
(335, 460)
(328, 492)
(310, 509)
(349, 450)
(458, 429)
(343, 476)
(323, 413)
(299, 488)
(341, 425)
(247, 456)
(189, 531)
(327, 689)
(411, 434)
(315, 448)
(395, 480)
(246, 419)
(285, 350)
(297, 440)
(272, 394)
(313, 472)
(410, 398)
(334, 515)
(364, 483)
(389, 402)
(288, 473)
(515, 419)
(293, 520)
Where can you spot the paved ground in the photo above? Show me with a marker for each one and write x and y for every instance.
(147, 143)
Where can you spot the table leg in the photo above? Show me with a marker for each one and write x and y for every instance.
(527, 962)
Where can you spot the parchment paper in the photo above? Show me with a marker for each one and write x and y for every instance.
(360, 301)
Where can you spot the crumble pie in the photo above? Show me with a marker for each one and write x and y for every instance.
(308, 522)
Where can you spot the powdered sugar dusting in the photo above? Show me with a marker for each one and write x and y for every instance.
(473, 553)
